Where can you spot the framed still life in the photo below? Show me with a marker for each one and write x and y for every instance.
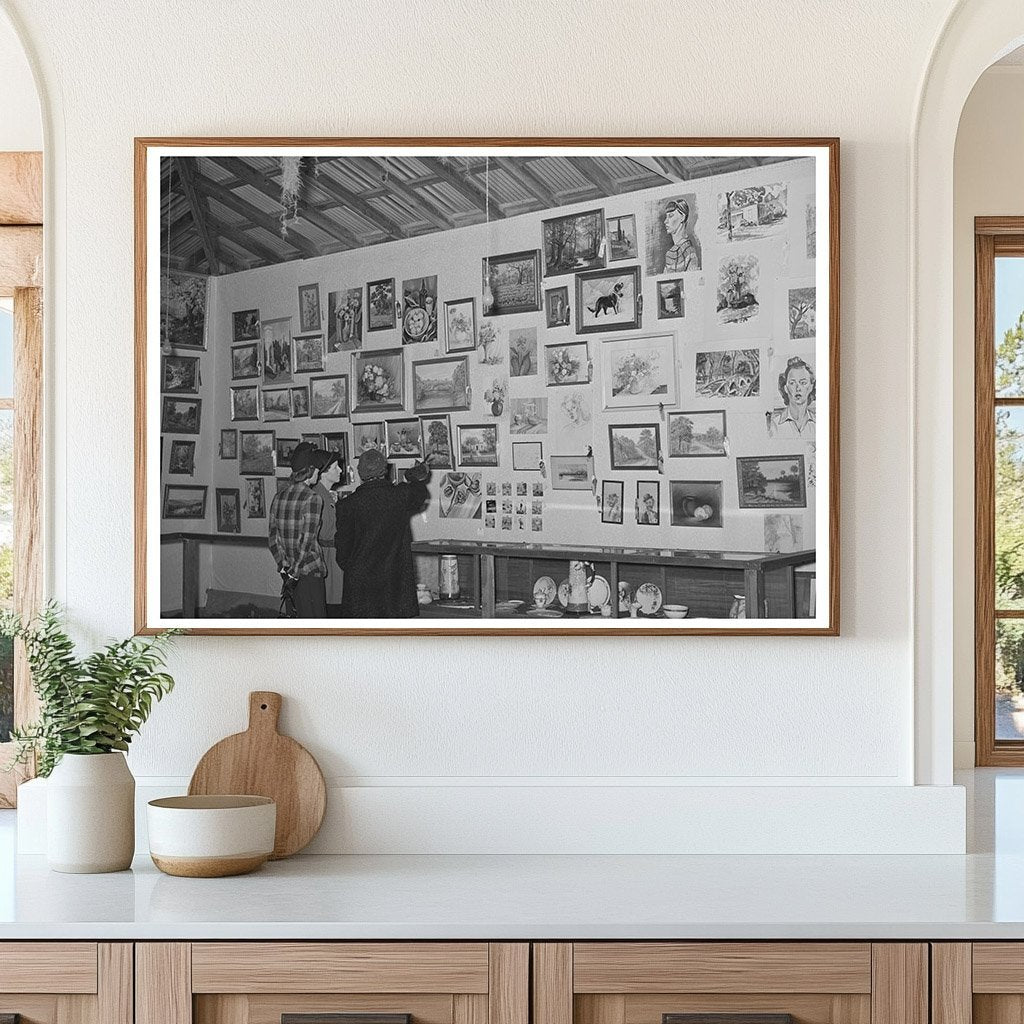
(615, 352)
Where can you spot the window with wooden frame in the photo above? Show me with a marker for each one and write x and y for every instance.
(21, 366)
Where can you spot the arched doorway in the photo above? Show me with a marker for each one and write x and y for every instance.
(977, 33)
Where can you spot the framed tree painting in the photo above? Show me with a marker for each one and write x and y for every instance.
(623, 346)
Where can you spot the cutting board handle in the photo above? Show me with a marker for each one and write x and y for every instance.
(264, 710)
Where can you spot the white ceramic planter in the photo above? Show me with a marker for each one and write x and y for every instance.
(90, 814)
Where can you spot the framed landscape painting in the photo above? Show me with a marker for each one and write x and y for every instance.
(619, 352)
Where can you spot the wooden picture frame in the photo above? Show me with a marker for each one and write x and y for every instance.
(609, 300)
(441, 391)
(503, 283)
(816, 159)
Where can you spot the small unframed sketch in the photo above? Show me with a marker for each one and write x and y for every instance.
(529, 416)
(522, 351)
(738, 282)
(783, 533)
(734, 373)
(801, 313)
(753, 212)
(812, 222)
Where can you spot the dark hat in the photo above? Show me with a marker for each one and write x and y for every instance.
(303, 456)
(372, 464)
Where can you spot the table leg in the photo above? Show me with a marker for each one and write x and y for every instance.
(487, 586)
(753, 588)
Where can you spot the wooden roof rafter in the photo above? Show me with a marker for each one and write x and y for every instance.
(465, 186)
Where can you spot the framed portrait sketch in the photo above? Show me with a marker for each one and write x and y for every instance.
(616, 352)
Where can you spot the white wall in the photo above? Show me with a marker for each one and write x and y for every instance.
(21, 127)
(694, 711)
(987, 182)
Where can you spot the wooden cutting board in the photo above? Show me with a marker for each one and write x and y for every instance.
(262, 762)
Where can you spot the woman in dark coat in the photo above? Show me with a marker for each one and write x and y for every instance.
(374, 541)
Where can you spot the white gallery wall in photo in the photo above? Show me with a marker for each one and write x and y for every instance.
(616, 359)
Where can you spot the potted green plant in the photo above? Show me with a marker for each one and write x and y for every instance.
(89, 710)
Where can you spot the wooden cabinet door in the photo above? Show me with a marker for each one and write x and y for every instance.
(730, 983)
(66, 982)
(332, 983)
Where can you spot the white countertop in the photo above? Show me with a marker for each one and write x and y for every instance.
(517, 897)
(978, 896)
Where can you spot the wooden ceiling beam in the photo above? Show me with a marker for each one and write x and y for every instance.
(380, 220)
(243, 241)
(518, 168)
(419, 203)
(466, 188)
(258, 217)
(587, 167)
(273, 191)
(197, 206)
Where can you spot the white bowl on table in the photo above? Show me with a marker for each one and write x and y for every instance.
(211, 836)
(675, 611)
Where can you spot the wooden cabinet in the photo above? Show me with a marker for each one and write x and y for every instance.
(758, 982)
(308, 982)
(66, 982)
(978, 983)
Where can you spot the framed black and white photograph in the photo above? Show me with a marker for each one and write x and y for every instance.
(378, 377)
(771, 481)
(671, 302)
(229, 444)
(277, 352)
(245, 325)
(181, 415)
(622, 238)
(229, 510)
(528, 456)
(283, 448)
(328, 396)
(608, 300)
(460, 325)
(403, 439)
(345, 319)
(436, 432)
(440, 385)
(699, 434)
(556, 307)
(245, 404)
(478, 444)
(245, 362)
(616, 352)
(634, 445)
(182, 501)
(648, 502)
(511, 283)
(419, 310)
(180, 375)
(696, 503)
(277, 405)
(639, 371)
(573, 243)
(182, 458)
(567, 364)
(255, 499)
(308, 353)
(310, 317)
(183, 303)
(380, 305)
(611, 501)
(367, 436)
(571, 472)
(300, 402)
(256, 453)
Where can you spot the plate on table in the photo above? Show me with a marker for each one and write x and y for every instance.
(545, 613)
(544, 592)
(563, 593)
(599, 593)
(648, 596)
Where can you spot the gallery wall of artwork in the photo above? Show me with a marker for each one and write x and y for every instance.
(706, 429)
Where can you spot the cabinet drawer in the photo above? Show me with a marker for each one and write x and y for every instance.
(57, 967)
(730, 983)
(333, 983)
(635, 967)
